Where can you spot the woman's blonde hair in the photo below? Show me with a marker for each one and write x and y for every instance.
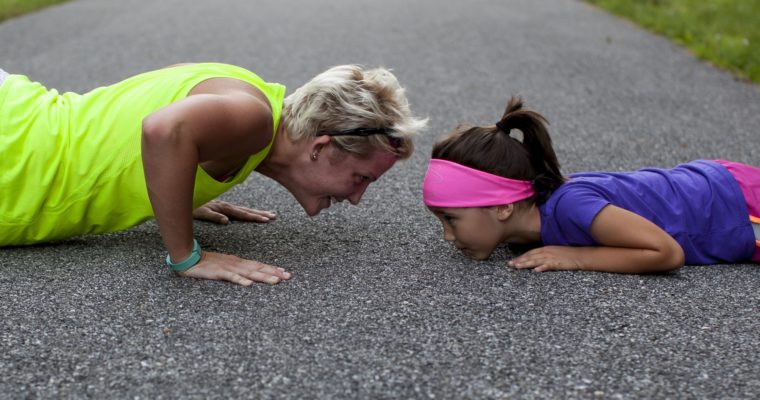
(347, 97)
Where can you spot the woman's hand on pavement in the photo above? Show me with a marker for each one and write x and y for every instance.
(223, 267)
(220, 212)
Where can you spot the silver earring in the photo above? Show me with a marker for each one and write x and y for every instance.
(314, 156)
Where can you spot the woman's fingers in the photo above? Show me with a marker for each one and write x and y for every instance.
(221, 212)
(237, 279)
(260, 272)
(204, 213)
(262, 277)
(249, 214)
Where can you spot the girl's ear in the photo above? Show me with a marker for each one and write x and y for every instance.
(504, 212)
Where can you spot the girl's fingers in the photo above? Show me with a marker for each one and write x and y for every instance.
(526, 261)
(521, 263)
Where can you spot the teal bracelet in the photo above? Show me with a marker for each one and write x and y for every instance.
(195, 256)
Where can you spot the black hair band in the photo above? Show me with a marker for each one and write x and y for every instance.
(503, 127)
(507, 130)
(395, 142)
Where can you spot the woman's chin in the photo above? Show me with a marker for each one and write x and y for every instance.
(315, 208)
(313, 211)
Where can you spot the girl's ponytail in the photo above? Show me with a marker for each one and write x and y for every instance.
(547, 176)
(491, 149)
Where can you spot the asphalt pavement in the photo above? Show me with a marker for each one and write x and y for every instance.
(380, 306)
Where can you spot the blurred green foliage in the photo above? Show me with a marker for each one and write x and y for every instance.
(723, 32)
(13, 8)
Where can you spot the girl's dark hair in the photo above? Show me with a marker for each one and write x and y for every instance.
(493, 150)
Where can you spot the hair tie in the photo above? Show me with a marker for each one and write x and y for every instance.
(503, 127)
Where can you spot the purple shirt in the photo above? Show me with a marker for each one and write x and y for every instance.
(699, 204)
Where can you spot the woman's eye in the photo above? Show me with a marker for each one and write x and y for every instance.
(362, 179)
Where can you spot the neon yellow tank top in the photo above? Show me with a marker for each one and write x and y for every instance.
(70, 164)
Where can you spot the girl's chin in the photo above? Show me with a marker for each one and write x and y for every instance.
(477, 255)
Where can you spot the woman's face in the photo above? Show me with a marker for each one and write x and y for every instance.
(336, 176)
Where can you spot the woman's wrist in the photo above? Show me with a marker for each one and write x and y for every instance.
(189, 262)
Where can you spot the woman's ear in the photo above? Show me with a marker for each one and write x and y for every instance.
(317, 145)
(505, 211)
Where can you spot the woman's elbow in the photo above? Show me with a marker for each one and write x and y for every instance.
(156, 130)
(150, 129)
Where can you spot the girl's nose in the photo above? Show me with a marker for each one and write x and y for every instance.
(448, 235)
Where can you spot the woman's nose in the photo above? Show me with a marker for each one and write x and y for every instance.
(356, 196)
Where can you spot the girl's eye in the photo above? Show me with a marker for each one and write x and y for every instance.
(449, 219)
(361, 179)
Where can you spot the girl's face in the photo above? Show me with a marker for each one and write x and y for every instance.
(476, 231)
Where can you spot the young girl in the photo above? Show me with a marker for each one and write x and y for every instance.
(488, 187)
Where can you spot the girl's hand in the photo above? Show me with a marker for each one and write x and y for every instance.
(549, 258)
(220, 212)
(223, 267)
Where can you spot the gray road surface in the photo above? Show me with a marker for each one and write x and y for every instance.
(380, 306)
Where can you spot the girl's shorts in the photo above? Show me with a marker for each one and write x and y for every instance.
(3, 75)
(748, 178)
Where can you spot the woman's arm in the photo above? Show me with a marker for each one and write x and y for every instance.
(177, 138)
(629, 244)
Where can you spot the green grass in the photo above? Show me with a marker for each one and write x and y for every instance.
(13, 8)
(723, 32)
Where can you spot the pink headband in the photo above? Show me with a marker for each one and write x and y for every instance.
(451, 185)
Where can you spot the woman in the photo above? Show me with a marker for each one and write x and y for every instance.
(165, 143)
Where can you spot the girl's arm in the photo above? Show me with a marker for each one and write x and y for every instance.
(629, 244)
(175, 140)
